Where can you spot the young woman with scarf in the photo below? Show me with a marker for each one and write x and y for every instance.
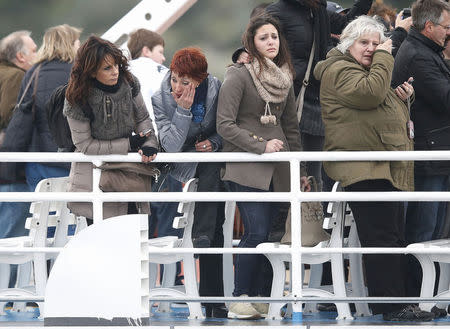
(257, 114)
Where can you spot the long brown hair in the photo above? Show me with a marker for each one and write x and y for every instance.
(89, 58)
(248, 39)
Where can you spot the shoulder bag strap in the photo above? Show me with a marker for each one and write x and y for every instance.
(301, 95)
(36, 71)
(36, 78)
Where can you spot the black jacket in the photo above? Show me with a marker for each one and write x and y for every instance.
(51, 75)
(398, 36)
(421, 58)
(298, 27)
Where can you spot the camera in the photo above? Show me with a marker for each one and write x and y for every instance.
(406, 13)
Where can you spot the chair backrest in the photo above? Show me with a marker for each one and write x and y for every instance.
(47, 214)
(339, 218)
(186, 220)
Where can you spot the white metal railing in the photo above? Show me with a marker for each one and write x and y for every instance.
(295, 197)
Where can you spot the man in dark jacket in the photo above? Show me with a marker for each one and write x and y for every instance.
(301, 21)
(17, 54)
(447, 54)
(420, 56)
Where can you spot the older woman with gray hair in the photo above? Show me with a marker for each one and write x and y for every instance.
(361, 112)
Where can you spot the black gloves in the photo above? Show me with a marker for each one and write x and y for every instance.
(136, 141)
(149, 151)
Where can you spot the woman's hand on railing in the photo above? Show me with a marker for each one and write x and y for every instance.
(204, 146)
(274, 145)
(148, 153)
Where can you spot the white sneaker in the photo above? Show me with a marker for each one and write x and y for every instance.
(262, 308)
(243, 311)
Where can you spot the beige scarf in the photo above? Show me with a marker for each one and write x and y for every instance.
(272, 83)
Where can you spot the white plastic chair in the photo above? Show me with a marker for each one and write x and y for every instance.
(190, 278)
(429, 271)
(228, 269)
(356, 288)
(44, 214)
(336, 223)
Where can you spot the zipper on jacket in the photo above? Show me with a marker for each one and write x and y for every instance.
(108, 107)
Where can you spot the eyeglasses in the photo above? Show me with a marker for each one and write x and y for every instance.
(443, 26)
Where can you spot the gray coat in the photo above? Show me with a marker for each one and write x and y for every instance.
(177, 131)
(106, 134)
(238, 122)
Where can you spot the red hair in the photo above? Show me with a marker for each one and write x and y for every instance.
(190, 62)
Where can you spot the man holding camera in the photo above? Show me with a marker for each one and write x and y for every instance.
(420, 56)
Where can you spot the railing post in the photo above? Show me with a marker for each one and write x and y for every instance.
(296, 274)
(97, 203)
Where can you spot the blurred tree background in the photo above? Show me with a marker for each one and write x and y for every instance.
(214, 25)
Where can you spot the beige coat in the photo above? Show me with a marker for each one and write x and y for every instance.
(82, 136)
(361, 112)
(238, 122)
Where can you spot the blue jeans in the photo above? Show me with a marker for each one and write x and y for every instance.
(161, 218)
(423, 219)
(162, 213)
(253, 273)
(13, 214)
(12, 218)
(35, 172)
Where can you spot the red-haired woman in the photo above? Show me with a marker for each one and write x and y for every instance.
(185, 113)
(103, 108)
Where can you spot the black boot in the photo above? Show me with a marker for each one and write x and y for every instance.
(218, 311)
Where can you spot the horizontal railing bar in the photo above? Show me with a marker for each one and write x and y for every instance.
(278, 251)
(30, 250)
(303, 299)
(303, 250)
(284, 251)
(18, 298)
(223, 196)
(230, 156)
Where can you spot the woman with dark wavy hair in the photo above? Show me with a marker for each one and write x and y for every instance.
(103, 108)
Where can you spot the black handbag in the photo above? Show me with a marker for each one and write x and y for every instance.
(21, 121)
